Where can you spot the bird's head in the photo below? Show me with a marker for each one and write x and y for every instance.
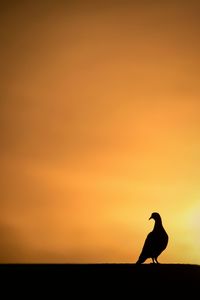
(155, 216)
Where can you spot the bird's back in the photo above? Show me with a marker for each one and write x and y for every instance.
(147, 248)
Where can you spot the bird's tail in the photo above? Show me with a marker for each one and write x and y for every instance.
(137, 262)
(140, 260)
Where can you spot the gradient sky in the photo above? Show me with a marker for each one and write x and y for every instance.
(100, 126)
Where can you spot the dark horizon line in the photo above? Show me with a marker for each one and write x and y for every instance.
(97, 263)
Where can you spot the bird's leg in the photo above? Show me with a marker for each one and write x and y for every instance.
(156, 260)
(153, 260)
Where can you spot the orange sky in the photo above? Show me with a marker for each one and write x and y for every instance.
(100, 126)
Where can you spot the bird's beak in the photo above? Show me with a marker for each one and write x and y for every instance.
(150, 218)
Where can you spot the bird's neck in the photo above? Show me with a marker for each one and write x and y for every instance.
(158, 224)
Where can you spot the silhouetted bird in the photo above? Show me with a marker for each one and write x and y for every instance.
(155, 242)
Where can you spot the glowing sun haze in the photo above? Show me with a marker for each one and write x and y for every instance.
(100, 126)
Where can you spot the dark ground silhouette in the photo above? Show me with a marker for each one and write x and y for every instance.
(94, 280)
